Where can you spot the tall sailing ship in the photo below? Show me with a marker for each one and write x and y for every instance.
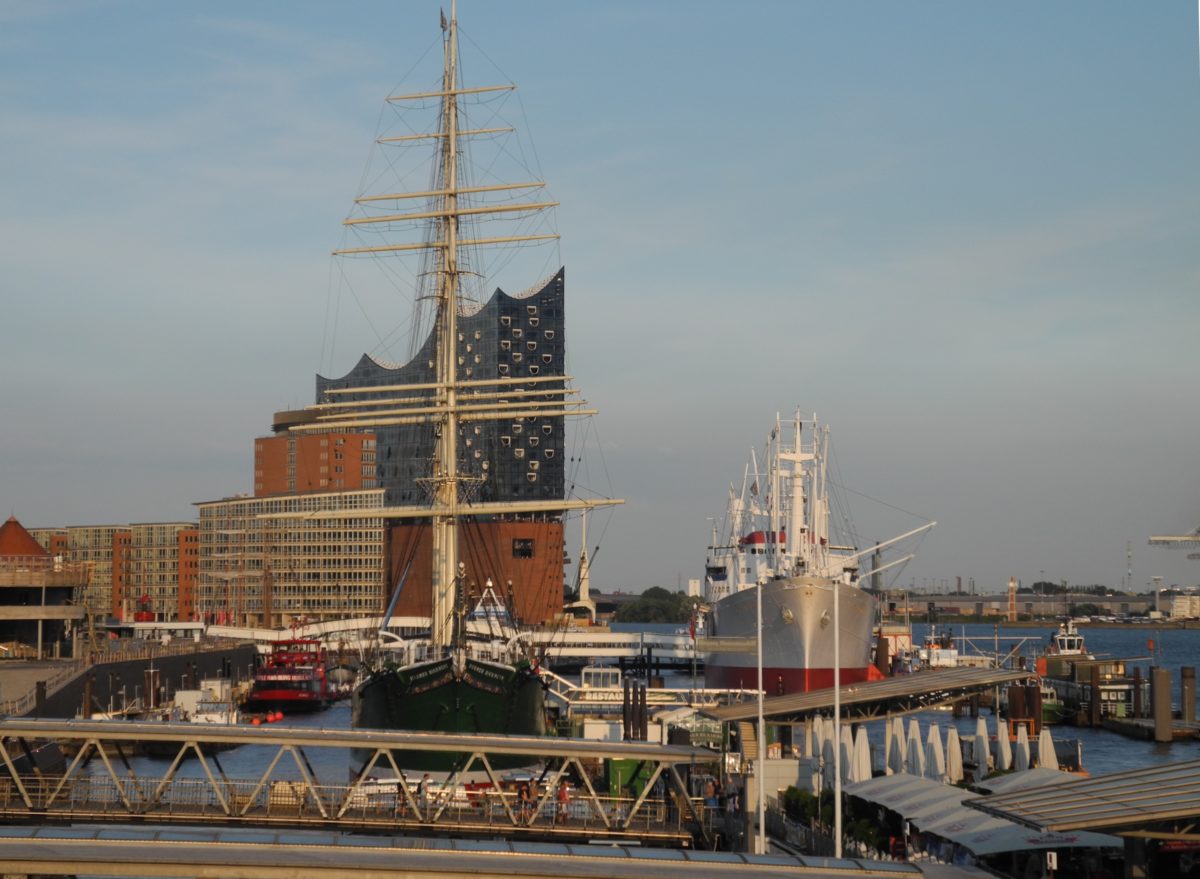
(470, 435)
(777, 547)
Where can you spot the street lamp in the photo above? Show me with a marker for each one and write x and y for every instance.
(760, 840)
(837, 724)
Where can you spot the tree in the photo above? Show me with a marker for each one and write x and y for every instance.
(656, 605)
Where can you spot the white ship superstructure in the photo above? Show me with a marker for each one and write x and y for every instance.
(777, 537)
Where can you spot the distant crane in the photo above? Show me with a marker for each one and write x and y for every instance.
(1190, 540)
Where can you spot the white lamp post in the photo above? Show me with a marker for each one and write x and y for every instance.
(760, 841)
(837, 724)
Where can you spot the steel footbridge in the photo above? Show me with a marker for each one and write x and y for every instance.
(474, 800)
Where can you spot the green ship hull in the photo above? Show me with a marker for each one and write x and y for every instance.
(485, 697)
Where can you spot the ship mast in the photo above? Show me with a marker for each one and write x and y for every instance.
(445, 465)
(446, 403)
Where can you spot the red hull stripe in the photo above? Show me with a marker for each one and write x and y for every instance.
(780, 681)
(284, 696)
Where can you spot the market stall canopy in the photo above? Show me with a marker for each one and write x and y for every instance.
(1161, 802)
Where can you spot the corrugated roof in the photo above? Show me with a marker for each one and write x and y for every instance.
(909, 796)
(987, 835)
(939, 809)
(1038, 776)
(901, 693)
(1125, 803)
(16, 541)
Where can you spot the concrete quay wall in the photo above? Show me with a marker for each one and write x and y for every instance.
(111, 674)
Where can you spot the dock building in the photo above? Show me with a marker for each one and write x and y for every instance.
(92, 546)
(155, 572)
(271, 561)
(1028, 605)
(36, 592)
(291, 463)
(145, 571)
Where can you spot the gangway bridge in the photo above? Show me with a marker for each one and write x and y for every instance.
(603, 693)
(558, 644)
(663, 815)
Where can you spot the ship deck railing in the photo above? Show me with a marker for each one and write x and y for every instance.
(577, 697)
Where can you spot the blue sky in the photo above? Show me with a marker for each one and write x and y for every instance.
(965, 235)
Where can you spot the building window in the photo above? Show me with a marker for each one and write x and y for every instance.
(522, 548)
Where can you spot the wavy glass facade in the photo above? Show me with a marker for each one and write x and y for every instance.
(509, 337)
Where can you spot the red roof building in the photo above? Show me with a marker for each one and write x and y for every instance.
(16, 542)
(36, 592)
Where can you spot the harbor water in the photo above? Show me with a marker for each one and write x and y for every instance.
(1103, 752)
(1140, 645)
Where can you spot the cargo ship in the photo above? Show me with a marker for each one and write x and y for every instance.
(777, 545)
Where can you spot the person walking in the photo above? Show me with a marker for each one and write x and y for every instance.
(564, 801)
(423, 793)
(525, 795)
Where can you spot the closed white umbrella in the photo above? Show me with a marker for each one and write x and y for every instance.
(817, 753)
(935, 757)
(862, 756)
(914, 730)
(816, 736)
(982, 752)
(914, 756)
(814, 773)
(889, 733)
(954, 760)
(895, 754)
(1047, 759)
(827, 766)
(847, 746)
(1021, 751)
(1003, 747)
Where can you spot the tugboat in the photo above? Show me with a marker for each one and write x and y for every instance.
(1066, 671)
(293, 677)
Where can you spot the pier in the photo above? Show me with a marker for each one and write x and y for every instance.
(871, 700)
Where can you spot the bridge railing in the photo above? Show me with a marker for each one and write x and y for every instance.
(60, 677)
(242, 801)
